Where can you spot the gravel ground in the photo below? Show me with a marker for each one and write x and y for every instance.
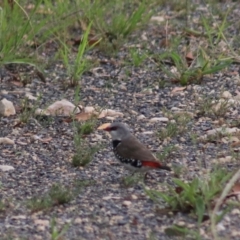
(104, 208)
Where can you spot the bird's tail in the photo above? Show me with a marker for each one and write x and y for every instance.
(153, 164)
(166, 168)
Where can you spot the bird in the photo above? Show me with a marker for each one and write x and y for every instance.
(130, 152)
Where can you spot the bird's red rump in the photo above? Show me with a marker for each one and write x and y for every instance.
(151, 164)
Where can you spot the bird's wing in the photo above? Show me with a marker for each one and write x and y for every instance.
(132, 148)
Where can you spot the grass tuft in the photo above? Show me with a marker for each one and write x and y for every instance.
(196, 196)
(57, 195)
(83, 152)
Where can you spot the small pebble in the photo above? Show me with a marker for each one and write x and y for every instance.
(127, 203)
(159, 119)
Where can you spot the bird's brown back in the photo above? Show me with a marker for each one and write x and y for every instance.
(132, 148)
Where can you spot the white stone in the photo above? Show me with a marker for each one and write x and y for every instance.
(223, 131)
(19, 217)
(127, 203)
(6, 140)
(157, 18)
(134, 197)
(6, 108)
(41, 112)
(107, 197)
(220, 227)
(235, 211)
(235, 233)
(147, 133)
(6, 168)
(89, 110)
(30, 96)
(4, 92)
(78, 220)
(140, 117)
(176, 109)
(110, 113)
(63, 107)
(226, 94)
(181, 223)
(41, 222)
(159, 119)
(110, 118)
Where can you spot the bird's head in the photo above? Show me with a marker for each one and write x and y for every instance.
(118, 131)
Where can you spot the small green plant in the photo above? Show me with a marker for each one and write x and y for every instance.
(83, 183)
(3, 206)
(213, 108)
(166, 152)
(83, 152)
(28, 109)
(131, 180)
(81, 64)
(57, 195)
(38, 204)
(195, 196)
(176, 126)
(171, 130)
(15, 30)
(83, 156)
(87, 127)
(215, 32)
(57, 234)
(221, 108)
(136, 57)
(44, 120)
(184, 232)
(152, 236)
(193, 73)
(115, 20)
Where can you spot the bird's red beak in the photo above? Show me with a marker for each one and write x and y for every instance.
(105, 127)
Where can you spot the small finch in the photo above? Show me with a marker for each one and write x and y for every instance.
(129, 151)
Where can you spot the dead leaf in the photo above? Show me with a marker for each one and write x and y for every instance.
(84, 116)
(164, 43)
(22, 143)
(189, 58)
(84, 24)
(235, 144)
(45, 140)
(17, 83)
(235, 191)
(40, 75)
(178, 190)
(93, 41)
(110, 113)
(236, 188)
(90, 112)
(178, 89)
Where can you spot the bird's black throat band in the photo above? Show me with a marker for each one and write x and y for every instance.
(115, 143)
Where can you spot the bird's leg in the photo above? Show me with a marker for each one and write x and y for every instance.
(133, 172)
